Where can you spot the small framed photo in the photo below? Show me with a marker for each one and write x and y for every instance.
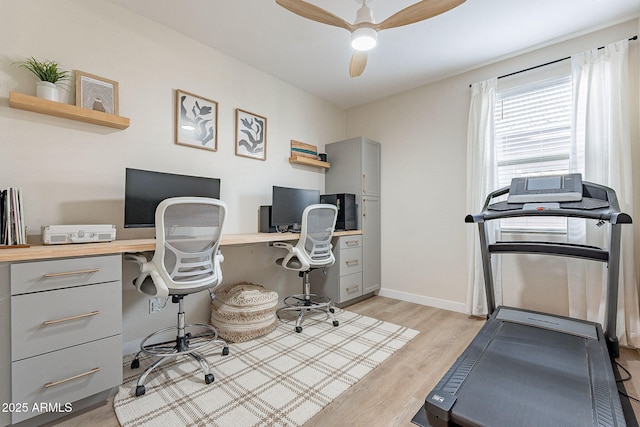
(96, 93)
(196, 121)
(251, 135)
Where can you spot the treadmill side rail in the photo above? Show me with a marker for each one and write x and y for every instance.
(438, 405)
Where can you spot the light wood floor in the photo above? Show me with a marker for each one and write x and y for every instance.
(395, 390)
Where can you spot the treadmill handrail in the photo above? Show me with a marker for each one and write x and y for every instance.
(589, 190)
(551, 248)
(601, 212)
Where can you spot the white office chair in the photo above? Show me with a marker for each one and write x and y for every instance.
(186, 261)
(312, 251)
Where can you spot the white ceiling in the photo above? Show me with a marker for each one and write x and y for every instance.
(315, 57)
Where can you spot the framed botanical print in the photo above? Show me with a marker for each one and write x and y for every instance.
(251, 135)
(196, 121)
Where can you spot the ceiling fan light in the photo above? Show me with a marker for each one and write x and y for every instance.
(364, 38)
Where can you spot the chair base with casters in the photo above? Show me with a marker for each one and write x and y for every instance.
(307, 303)
(185, 343)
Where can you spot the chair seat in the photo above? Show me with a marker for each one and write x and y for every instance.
(293, 264)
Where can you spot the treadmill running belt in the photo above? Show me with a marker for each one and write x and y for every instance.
(520, 375)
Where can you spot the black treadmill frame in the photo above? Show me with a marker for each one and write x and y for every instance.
(599, 203)
(592, 195)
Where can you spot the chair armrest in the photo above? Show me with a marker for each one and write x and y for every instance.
(283, 245)
(136, 257)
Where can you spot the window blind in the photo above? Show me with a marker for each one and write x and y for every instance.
(533, 138)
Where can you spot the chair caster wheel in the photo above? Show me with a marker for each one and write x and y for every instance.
(335, 323)
(208, 378)
(225, 351)
(135, 364)
(140, 390)
(298, 329)
(332, 310)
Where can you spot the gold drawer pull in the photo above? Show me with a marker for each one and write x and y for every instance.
(352, 262)
(69, 273)
(79, 316)
(351, 242)
(75, 377)
(353, 289)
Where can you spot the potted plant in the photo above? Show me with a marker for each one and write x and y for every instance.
(49, 74)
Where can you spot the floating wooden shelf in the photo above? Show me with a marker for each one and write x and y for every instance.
(67, 111)
(308, 161)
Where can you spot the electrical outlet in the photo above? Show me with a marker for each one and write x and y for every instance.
(154, 305)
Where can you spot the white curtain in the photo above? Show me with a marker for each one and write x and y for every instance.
(602, 125)
(481, 180)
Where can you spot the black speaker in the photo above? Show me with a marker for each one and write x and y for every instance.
(265, 220)
(347, 209)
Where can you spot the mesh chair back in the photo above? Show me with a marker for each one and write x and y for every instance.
(318, 223)
(188, 231)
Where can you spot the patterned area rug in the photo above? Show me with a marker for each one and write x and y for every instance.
(281, 379)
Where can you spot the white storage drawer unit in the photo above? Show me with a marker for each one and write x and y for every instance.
(342, 281)
(39, 276)
(67, 375)
(57, 324)
(66, 330)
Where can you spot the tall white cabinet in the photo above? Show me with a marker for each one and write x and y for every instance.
(355, 168)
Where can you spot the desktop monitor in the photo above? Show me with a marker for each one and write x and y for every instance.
(144, 190)
(289, 203)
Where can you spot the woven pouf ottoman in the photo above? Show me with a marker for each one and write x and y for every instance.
(243, 311)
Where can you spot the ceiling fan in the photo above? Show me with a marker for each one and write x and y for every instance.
(364, 31)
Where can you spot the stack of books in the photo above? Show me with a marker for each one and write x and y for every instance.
(13, 231)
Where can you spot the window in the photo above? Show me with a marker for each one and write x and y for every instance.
(533, 138)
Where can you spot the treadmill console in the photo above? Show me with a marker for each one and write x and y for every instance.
(549, 188)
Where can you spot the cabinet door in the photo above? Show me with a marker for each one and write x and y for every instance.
(370, 168)
(370, 221)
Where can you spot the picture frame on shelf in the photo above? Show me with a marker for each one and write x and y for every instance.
(196, 121)
(251, 135)
(96, 93)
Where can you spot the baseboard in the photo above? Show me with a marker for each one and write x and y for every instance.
(131, 347)
(458, 307)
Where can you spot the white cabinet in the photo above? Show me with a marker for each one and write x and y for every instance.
(355, 168)
(66, 330)
(343, 280)
(370, 225)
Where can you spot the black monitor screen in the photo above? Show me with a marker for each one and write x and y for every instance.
(144, 190)
(289, 203)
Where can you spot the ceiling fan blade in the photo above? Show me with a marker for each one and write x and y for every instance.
(417, 12)
(357, 64)
(314, 13)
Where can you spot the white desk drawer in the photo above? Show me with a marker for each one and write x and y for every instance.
(347, 242)
(47, 321)
(63, 273)
(350, 261)
(350, 286)
(67, 375)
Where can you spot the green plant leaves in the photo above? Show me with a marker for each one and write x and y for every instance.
(47, 71)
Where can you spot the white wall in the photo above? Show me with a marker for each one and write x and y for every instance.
(423, 134)
(73, 173)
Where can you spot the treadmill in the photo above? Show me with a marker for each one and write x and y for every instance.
(527, 368)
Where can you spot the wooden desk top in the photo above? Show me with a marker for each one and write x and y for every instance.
(36, 252)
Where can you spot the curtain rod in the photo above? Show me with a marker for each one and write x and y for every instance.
(549, 63)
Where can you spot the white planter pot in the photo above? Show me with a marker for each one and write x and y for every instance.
(47, 90)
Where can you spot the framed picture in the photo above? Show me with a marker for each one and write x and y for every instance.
(196, 121)
(251, 135)
(96, 93)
